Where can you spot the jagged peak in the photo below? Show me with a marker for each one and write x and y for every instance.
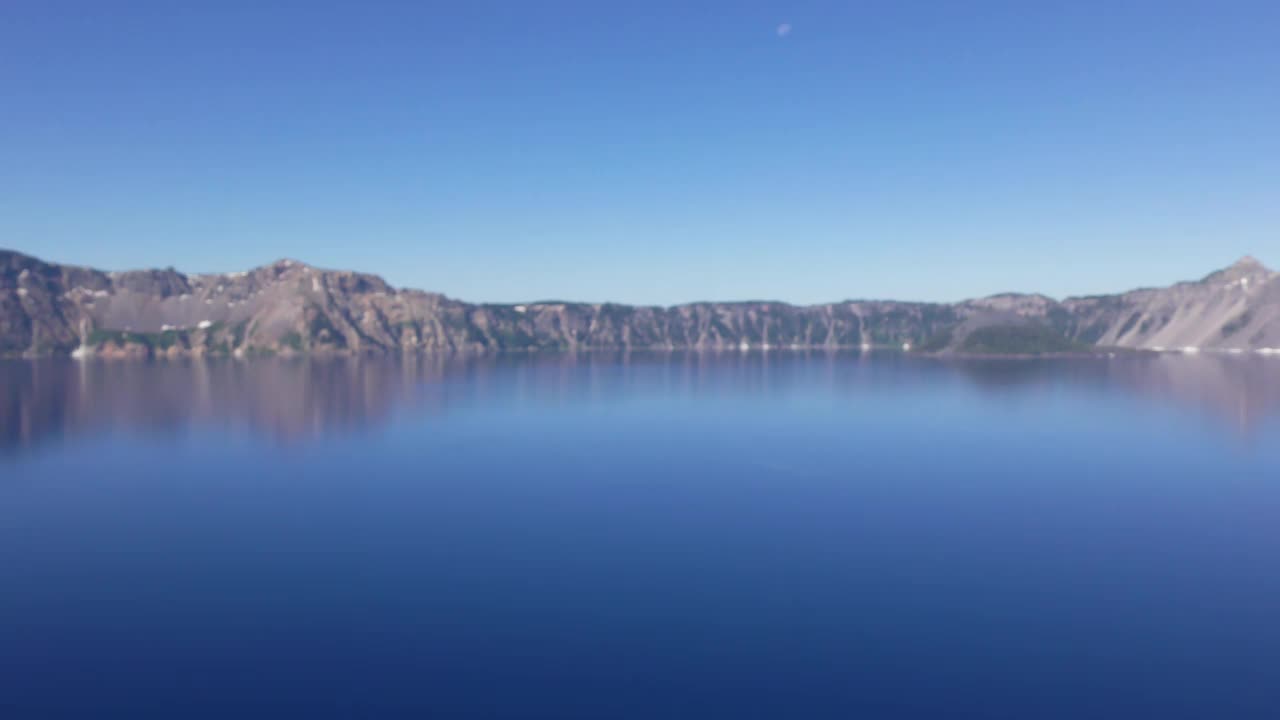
(277, 267)
(1247, 267)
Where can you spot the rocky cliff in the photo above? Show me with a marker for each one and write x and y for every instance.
(289, 307)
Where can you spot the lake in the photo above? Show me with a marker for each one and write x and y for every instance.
(650, 535)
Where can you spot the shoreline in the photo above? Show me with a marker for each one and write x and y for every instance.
(139, 353)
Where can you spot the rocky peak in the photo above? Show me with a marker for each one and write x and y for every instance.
(1020, 303)
(286, 265)
(157, 283)
(1247, 268)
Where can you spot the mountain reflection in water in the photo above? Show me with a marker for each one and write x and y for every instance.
(296, 400)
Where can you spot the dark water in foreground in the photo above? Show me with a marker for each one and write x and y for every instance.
(651, 536)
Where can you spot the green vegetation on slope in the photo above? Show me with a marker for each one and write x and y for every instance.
(1019, 340)
(936, 342)
(159, 341)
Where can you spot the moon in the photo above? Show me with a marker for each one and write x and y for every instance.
(784, 30)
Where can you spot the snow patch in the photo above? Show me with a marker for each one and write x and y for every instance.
(22, 292)
(520, 308)
(204, 324)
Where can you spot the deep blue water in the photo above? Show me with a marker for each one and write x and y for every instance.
(648, 536)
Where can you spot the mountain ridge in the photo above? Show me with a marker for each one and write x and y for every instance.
(290, 307)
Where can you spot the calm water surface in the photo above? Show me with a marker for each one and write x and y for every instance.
(643, 536)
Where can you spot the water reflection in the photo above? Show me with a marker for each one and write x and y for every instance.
(1239, 391)
(289, 401)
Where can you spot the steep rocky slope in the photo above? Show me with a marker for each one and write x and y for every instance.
(289, 307)
(1235, 308)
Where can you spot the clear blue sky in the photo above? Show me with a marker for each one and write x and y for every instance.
(654, 152)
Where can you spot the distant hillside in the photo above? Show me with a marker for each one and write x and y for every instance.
(288, 307)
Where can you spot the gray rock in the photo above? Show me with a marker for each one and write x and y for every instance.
(289, 307)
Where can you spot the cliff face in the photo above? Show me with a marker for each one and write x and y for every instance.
(1236, 308)
(289, 307)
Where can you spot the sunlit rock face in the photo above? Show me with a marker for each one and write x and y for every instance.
(289, 307)
(1234, 308)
